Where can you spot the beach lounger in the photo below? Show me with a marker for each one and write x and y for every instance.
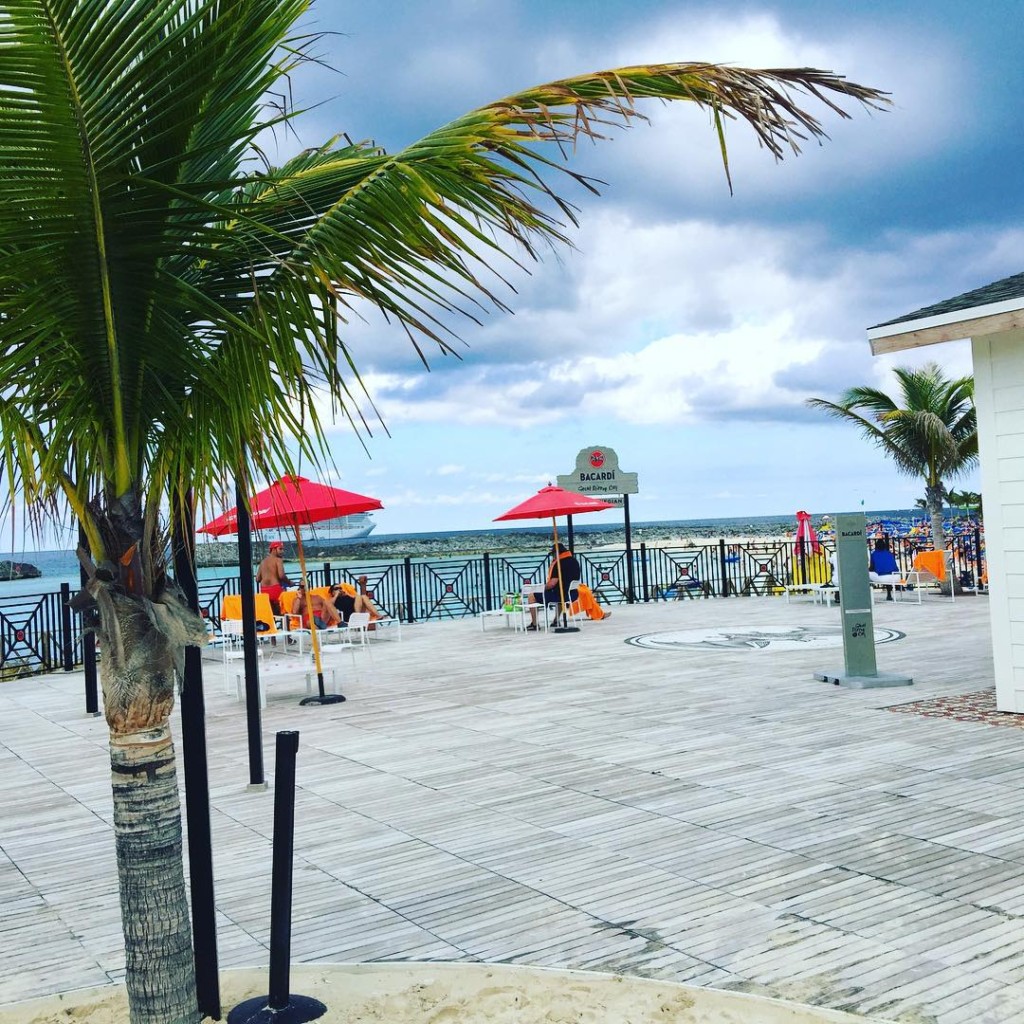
(231, 609)
(386, 628)
(932, 568)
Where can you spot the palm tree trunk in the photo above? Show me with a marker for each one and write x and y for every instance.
(935, 495)
(154, 912)
(138, 695)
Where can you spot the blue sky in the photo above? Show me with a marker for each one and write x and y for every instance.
(688, 326)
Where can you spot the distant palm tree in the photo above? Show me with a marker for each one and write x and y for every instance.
(929, 430)
(173, 308)
(970, 500)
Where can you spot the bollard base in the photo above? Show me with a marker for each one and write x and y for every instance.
(566, 629)
(323, 698)
(257, 787)
(863, 682)
(258, 1011)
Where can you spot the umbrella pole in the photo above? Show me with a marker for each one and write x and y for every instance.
(564, 627)
(322, 696)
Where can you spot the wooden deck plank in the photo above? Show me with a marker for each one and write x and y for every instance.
(722, 818)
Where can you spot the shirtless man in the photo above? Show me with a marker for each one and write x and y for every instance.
(271, 577)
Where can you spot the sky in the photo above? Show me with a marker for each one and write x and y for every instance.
(687, 326)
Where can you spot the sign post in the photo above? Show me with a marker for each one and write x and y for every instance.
(597, 473)
(860, 671)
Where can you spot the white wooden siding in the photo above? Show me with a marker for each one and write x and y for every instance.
(999, 394)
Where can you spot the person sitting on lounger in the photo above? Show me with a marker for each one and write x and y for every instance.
(347, 601)
(325, 615)
(882, 567)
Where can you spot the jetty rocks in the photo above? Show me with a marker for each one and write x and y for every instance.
(19, 571)
(466, 544)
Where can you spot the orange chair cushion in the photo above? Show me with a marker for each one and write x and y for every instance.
(231, 608)
(931, 561)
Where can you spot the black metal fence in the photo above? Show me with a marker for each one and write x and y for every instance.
(38, 633)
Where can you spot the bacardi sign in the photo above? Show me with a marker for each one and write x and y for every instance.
(597, 472)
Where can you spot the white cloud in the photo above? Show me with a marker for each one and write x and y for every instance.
(676, 323)
(677, 156)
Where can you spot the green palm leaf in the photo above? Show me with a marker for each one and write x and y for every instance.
(929, 430)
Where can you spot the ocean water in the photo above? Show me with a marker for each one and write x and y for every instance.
(61, 566)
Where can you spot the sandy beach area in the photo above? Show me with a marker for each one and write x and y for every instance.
(463, 994)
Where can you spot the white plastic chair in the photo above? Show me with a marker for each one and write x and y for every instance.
(573, 611)
(530, 589)
(358, 627)
(931, 569)
(231, 645)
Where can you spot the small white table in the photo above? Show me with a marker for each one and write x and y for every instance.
(511, 618)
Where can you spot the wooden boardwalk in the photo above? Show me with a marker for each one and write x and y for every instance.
(705, 815)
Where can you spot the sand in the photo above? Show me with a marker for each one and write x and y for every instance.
(402, 993)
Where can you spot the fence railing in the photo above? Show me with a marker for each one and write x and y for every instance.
(39, 633)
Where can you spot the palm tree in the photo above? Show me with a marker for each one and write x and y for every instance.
(970, 500)
(929, 430)
(168, 300)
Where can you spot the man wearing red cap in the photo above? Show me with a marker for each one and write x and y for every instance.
(271, 577)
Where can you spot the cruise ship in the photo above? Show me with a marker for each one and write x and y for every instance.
(353, 527)
(330, 531)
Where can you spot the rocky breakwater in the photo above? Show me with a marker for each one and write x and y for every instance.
(387, 550)
(19, 571)
(463, 545)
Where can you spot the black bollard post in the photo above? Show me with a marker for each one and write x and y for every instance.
(979, 568)
(67, 645)
(409, 617)
(280, 1006)
(92, 699)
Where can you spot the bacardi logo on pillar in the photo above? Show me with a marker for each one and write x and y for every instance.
(597, 472)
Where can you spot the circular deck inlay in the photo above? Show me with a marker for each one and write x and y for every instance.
(764, 638)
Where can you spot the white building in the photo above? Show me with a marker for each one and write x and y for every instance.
(993, 318)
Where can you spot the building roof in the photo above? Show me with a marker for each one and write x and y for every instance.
(995, 307)
(997, 291)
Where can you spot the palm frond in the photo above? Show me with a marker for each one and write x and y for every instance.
(171, 311)
(929, 430)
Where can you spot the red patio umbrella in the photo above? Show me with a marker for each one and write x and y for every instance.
(550, 502)
(294, 501)
(805, 542)
(806, 539)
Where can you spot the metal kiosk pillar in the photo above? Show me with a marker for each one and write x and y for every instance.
(860, 671)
